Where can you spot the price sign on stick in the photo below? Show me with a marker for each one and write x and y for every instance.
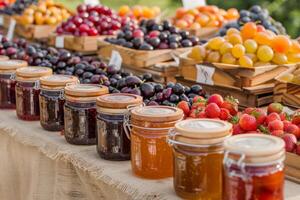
(116, 59)
(205, 74)
(59, 41)
(188, 4)
(92, 2)
(11, 29)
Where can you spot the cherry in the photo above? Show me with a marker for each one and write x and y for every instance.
(84, 28)
(138, 34)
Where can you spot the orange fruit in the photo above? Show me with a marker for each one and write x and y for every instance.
(232, 13)
(249, 30)
(181, 24)
(180, 12)
(202, 20)
(124, 10)
(281, 44)
(235, 39)
(295, 47)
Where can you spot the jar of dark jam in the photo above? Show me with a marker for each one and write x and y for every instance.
(112, 142)
(8, 82)
(52, 100)
(80, 112)
(28, 90)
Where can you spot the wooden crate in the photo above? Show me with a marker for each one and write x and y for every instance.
(233, 75)
(204, 33)
(256, 96)
(161, 72)
(32, 32)
(138, 58)
(292, 167)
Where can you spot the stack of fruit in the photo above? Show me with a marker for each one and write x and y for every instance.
(204, 16)
(44, 13)
(250, 47)
(94, 20)
(152, 35)
(18, 7)
(139, 12)
(259, 16)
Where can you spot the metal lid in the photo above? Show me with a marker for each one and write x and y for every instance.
(57, 81)
(32, 73)
(119, 100)
(157, 113)
(11, 65)
(257, 147)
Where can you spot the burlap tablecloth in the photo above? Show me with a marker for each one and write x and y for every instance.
(40, 165)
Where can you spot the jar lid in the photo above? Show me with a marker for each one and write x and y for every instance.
(157, 113)
(12, 64)
(2, 58)
(85, 90)
(57, 81)
(257, 147)
(32, 73)
(119, 100)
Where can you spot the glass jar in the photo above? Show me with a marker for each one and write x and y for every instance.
(8, 82)
(151, 156)
(28, 90)
(253, 167)
(198, 155)
(52, 100)
(112, 142)
(80, 113)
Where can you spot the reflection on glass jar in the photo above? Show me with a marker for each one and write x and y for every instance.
(151, 156)
(28, 90)
(253, 167)
(112, 141)
(198, 155)
(80, 113)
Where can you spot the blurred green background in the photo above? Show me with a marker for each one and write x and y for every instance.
(285, 11)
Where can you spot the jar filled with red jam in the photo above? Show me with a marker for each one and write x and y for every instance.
(112, 141)
(198, 156)
(52, 100)
(253, 167)
(28, 90)
(151, 156)
(80, 113)
(8, 82)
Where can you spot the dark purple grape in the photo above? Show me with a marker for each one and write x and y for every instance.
(167, 93)
(95, 79)
(192, 95)
(106, 83)
(90, 68)
(79, 72)
(99, 71)
(170, 85)
(136, 91)
(87, 75)
(132, 81)
(159, 96)
(147, 77)
(126, 90)
(115, 91)
(196, 89)
(121, 83)
(174, 98)
(158, 88)
(187, 90)
(178, 89)
(112, 69)
(113, 82)
(116, 76)
(152, 103)
(183, 97)
(86, 81)
(147, 90)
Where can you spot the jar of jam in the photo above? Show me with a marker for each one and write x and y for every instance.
(253, 167)
(112, 142)
(8, 82)
(151, 156)
(198, 155)
(52, 100)
(80, 112)
(28, 90)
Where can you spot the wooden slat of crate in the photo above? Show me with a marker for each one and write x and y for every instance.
(248, 97)
(34, 31)
(6, 21)
(204, 33)
(292, 167)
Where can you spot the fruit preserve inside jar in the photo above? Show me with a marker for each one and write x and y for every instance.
(198, 155)
(151, 156)
(253, 167)
(112, 141)
(8, 82)
(28, 90)
(80, 113)
(52, 100)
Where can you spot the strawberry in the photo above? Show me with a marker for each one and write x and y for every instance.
(184, 106)
(248, 122)
(286, 124)
(200, 104)
(231, 104)
(271, 117)
(235, 119)
(248, 110)
(193, 113)
(275, 125)
(224, 114)
(263, 129)
(201, 114)
(237, 129)
(293, 129)
(212, 110)
(216, 98)
(277, 133)
(284, 116)
(259, 114)
(290, 142)
(296, 118)
(198, 99)
(298, 149)
(275, 107)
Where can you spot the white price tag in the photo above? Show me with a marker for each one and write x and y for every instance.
(1, 20)
(92, 2)
(189, 4)
(11, 29)
(59, 42)
(205, 74)
(116, 59)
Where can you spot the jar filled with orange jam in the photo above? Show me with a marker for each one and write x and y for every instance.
(198, 155)
(253, 167)
(151, 156)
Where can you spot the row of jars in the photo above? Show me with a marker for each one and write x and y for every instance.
(156, 139)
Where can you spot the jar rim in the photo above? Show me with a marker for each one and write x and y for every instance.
(118, 100)
(58, 80)
(103, 110)
(12, 65)
(85, 90)
(32, 73)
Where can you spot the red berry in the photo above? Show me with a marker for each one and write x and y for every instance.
(154, 34)
(248, 110)
(271, 117)
(275, 107)
(138, 34)
(286, 123)
(84, 28)
(275, 125)
(224, 114)
(237, 129)
(290, 142)
(277, 133)
(296, 118)
(293, 129)
(248, 122)
(216, 98)
(259, 114)
(283, 116)
(198, 99)
(231, 104)
(212, 110)
(184, 106)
